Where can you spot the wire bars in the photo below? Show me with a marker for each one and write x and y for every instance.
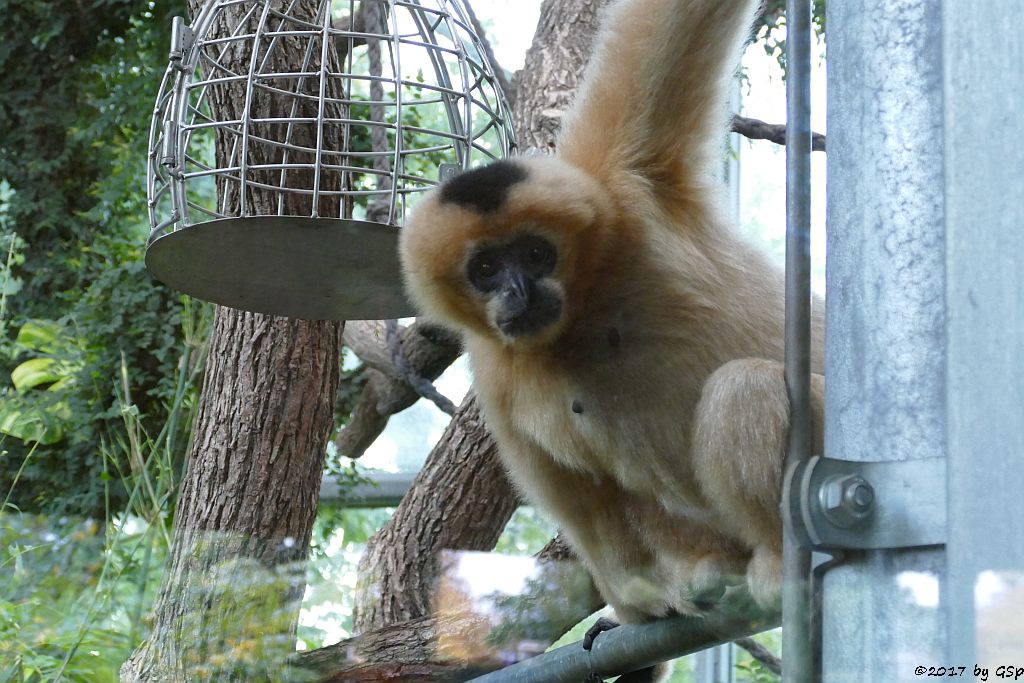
(291, 137)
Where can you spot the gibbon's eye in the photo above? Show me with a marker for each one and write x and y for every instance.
(540, 256)
(483, 268)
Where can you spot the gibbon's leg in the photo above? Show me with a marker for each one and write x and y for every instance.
(739, 445)
(651, 674)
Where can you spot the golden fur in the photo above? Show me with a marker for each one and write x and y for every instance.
(649, 420)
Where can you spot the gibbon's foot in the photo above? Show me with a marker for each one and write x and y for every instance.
(593, 678)
(600, 626)
(708, 599)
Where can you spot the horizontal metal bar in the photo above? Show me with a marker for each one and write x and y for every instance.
(228, 39)
(634, 647)
(385, 490)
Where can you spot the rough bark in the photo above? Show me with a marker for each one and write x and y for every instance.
(544, 87)
(460, 500)
(229, 602)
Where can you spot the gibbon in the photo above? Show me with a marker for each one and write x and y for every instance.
(625, 342)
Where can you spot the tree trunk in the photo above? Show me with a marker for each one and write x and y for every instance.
(460, 500)
(231, 592)
(545, 85)
(229, 603)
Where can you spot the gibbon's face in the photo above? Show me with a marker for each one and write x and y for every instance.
(499, 250)
(514, 277)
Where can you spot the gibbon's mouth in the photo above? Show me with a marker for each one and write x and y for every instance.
(531, 320)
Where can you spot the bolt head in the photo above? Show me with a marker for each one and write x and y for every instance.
(846, 500)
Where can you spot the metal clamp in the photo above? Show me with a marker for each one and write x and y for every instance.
(833, 504)
(182, 40)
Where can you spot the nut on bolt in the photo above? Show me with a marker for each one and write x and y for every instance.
(846, 499)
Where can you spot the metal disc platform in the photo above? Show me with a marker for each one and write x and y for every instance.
(300, 267)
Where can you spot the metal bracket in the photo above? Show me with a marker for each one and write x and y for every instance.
(448, 171)
(182, 40)
(169, 148)
(833, 504)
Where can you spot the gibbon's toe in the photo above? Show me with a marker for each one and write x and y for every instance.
(764, 577)
(600, 626)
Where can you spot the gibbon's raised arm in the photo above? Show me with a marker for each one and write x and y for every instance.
(654, 95)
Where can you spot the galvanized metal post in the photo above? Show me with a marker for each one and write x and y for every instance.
(983, 79)
(798, 644)
(887, 341)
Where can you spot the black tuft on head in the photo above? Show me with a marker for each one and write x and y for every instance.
(483, 189)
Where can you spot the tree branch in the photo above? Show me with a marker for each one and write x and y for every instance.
(755, 129)
(429, 350)
(460, 500)
(503, 82)
(761, 654)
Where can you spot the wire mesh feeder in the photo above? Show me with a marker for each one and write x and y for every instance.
(290, 138)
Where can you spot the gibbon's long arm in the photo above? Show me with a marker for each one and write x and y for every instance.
(653, 99)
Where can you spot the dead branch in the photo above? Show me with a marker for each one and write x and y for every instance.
(503, 82)
(755, 129)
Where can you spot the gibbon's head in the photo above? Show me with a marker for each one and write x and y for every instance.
(500, 250)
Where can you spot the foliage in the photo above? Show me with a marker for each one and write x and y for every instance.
(71, 598)
(339, 538)
(36, 410)
(76, 592)
(770, 27)
(526, 533)
(78, 84)
(748, 669)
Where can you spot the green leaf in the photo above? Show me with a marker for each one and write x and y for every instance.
(39, 335)
(34, 372)
(31, 424)
(12, 674)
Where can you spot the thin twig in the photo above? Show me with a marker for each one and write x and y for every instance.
(499, 73)
(761, 654)
(429, 349)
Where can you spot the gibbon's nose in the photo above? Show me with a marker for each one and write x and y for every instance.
(516, 293)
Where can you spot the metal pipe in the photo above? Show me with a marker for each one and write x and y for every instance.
(382, 489)
(632, 647)
(887, 327)
(798, 643)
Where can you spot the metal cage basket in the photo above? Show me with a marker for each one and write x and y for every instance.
(290, 138)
